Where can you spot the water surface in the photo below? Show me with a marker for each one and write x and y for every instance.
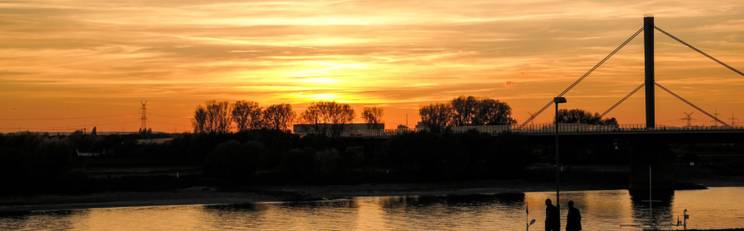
(602, 210)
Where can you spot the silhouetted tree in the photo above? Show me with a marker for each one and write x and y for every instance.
(212, 118)
(372, 115)
(278, 116)
(436, 117)
(311, 115)
(464, 110)
(218, 117)
(232, 159)
(473, 111)
(493, 112)
(583, 117)
(199, 121)
(246, 115)
(331, 113)
(328, 113)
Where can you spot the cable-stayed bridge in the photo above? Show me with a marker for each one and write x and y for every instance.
(649, 85)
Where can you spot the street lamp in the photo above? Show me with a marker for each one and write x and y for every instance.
(558, 100)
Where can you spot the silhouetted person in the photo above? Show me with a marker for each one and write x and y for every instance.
(552, 221)
(573, 221)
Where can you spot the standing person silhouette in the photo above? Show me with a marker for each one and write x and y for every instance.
(551, 216)
(573, 221)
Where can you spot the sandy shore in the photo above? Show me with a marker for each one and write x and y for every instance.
(208, 195)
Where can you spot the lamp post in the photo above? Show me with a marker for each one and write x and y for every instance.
(558, 100)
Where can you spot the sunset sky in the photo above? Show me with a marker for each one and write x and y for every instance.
(70, 64)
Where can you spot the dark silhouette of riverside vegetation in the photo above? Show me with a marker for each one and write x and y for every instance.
(373, 115)
(217, 117)
(328, 113)
(465, 111)
(578, 116)
(245, 144)
(45, 163)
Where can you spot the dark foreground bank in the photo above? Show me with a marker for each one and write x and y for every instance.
(89, 163)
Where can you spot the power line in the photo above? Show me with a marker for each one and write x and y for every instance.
(589, 72)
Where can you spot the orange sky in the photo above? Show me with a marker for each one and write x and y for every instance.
(70, 64)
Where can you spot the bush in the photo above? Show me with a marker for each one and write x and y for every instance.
(298, 163)
(234, 160)
(327, 162)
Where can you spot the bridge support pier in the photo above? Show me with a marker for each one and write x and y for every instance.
(654, 162)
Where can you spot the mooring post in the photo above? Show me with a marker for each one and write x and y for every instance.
(648, 48)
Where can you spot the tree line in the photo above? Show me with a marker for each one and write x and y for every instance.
(222, 116)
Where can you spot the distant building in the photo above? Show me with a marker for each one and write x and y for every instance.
(343, 130)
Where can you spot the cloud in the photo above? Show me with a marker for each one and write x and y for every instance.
(398, 53)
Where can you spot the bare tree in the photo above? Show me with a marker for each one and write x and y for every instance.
(328, 113)
(332, 114)
(278, 116)
(212, 118)
(246, 115)
(373, 115)
(436, 117)
(200, 120)
(311, 115)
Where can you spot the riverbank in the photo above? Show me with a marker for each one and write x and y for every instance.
(256, 194)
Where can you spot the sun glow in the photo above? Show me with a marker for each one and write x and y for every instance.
(178, 54)
(323, 97)
(321, 81)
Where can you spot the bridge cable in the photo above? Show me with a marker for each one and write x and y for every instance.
(700, 51)
(584, 76)
(622, 100)
(691, 104)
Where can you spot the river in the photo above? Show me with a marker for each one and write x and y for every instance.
(719, 207)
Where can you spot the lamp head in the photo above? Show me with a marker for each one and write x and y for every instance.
(559, 99)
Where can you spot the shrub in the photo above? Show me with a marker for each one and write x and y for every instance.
(327, 162)
(234, 160)
(298, 163)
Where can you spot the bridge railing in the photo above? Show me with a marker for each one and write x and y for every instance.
(587, 128)
(566, 128)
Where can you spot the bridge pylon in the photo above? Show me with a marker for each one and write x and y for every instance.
(648, 50)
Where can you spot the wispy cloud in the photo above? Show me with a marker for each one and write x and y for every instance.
(401, 54)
